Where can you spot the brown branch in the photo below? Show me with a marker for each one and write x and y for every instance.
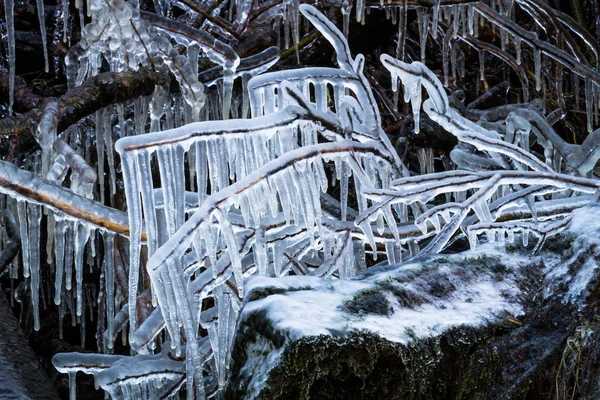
(20, 183)
(25, 99)
(99, 92)
(218, 21)
(13, 244)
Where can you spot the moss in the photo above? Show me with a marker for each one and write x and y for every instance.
(559, 243)
(406, 298)
(253, 328)
(262, 293)
(370, 301)
(363, 365)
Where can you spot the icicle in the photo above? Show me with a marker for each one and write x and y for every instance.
(100, 122)
(51, 225)
(423, 20)
(46, 133)
(589, 104)
(537, 60)
(24, 231)
(109, 274)
(10, 27)
(59, 254)
(344, 190)
(42, 18)
(69, 237)
(65, 11)
(481, 65)
(346, 9)
(72, 387)
(81, 238)
(471, 16)
(130, 178)
(360, 11)
(34, 215)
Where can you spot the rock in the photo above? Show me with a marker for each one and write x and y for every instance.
(490, 323)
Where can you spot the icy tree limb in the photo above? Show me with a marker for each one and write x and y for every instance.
(23, 184)
(101, 91)
(437, 108)
(215, 19)
(532, 39)
(252, 65)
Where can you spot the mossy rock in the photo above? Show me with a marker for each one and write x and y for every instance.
(362, 365)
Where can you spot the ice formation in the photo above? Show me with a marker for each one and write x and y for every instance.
(214, 197)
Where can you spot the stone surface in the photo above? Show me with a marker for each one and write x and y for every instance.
(492, 323)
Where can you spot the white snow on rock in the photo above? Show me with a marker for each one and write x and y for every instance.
(468, 289)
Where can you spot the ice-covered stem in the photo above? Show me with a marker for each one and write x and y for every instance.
(217, 51)
(106, 89)
(215, 19)
(447, 218)
(22, 184)
(86, 176)
(531, 38)
(370, 109)
(46, 133)
(496, 231)
(163, 266)
(585, 156)
(83, 362)
(13, 243)
(252, 65)
(564, 24)
(415, 75)
(425, 188)
(346, 62)
(120, 375)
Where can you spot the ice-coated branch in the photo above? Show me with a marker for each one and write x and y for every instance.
(24, 185)
(415, 75)
(505, 231)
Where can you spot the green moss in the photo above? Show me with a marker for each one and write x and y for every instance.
(371, 301)
(262, 293)
(406, 298)
(559, 243)
(362, 365)
(253, 328)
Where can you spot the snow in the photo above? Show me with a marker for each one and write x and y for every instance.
(577, 275)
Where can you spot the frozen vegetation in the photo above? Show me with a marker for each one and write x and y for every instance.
(247, 173)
